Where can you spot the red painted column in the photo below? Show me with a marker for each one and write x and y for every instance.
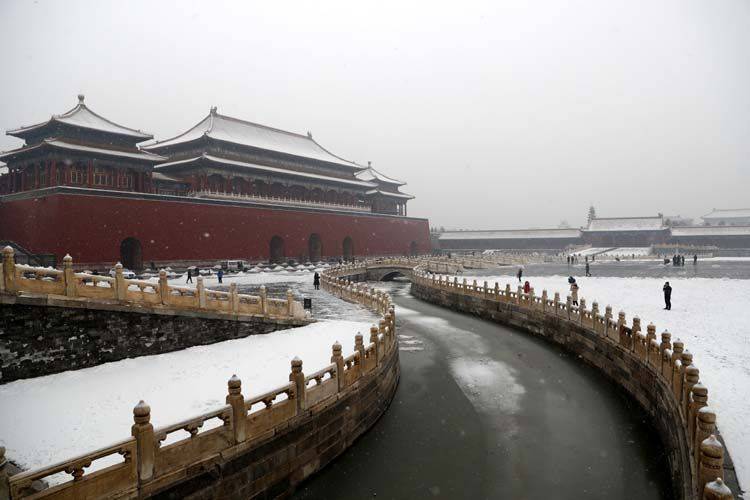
(90, 174)
(53, 173)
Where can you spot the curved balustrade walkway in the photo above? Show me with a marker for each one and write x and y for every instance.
(484, 411)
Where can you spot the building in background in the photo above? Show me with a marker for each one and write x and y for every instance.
(728, 217)
(225, 188)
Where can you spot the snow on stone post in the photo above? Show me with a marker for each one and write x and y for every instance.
(717, 490)
(239, 414)
(298, 378)
(636, 328)
(497, 291)
(163, 287)
(463, 284)
(68, 275)
(234, 299)
(263, 300)
(338, 359)
(556, 303)
(391, 317)
(705, 426)
(383, 330)
(621, 329)
(582, 311)
(120, 286)
(485, 289)
(712, 461)
(532, 303)
(692, 377)
(290, 302)
(666, 339)
(686, 361)
(359, 346)
(507, 292)
(200, 290)
(374, 340)
(9, 272)
(607, 319)
(595, 316)
(698, 400)
(143, 432)
(544, 300)
(651, 333)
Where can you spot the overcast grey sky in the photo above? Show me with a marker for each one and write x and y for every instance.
(496, 114)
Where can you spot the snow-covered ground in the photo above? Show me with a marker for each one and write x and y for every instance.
(712, 317)
(48, 419)
(590, 251)
(627, 252)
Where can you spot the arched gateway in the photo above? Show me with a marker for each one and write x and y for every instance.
(314, 247)
(131, 254)
(348, 249)
(276, 250)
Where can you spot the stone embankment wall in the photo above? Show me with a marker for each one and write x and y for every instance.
(659, 374)
(39, 339)
(256, 447)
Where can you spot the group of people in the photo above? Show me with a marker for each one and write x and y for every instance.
(191, 273)
(573, 259)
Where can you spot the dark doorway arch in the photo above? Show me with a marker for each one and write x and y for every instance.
(131, 254)
(276, 251)
(348, 249)
(413, 249)
(314, 247)
(392, 275)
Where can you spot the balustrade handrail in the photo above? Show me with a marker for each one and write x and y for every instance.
(667, 361)
(280, 200)
(20, 278)
(151, 462)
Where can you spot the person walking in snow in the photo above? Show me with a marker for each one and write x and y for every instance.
(189, 277)
(519, 274)
(588, 269)
(220, 275)
(574, 292)
(695, 259)
(316, 281)
(667, 296)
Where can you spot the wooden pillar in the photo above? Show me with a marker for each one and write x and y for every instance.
(90, 174)
(53, 174)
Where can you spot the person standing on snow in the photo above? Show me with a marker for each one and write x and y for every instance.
(526, 287)
(667, 296)
(316, 281)
(220, 275)
(189, 277)
(519, 274)
(588, 269)
(574, 292)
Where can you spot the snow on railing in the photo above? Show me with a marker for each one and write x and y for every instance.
(224, 431)
(18, 278)
(666, 360)
(279, 200)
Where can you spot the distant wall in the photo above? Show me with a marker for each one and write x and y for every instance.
(92, 226)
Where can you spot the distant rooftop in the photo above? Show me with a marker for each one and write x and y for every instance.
(626, 224)
(245, 133)
(81, 116)
(727, 213)
(508, 234)
(711, 231)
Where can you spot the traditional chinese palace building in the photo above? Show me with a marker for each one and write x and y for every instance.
(224, 189)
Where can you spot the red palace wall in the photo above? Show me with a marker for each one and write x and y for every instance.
(90, 227)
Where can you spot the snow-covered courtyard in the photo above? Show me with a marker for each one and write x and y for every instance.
(712, 317)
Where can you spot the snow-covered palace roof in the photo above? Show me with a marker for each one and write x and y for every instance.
(711, 231)
(729, 213)
(627, 224)
(236, 131)
(509, 234)
(82, 117)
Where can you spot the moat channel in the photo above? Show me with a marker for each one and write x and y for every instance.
(484, 411)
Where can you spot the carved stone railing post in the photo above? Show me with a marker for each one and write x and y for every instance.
(234, 299)
(685, 361)
(711, 463)
(636, 328)
(4, 486)
(143, 432)
(544, 300)
(200, 290)
(692, 377)
(717, 490)
(497, 291)
(568, 305)
(359, 346)
(69, 276)
(621, 329)
(121, 287)
(519, 294)
(507, 292)
(239, 415)
(556, 303)
(391, 317)
(582, 311)
(651, 333)
(9, 271)
(595, 316)
(300, 387)
(374, 340)
(607, 320)
(698, 400)
(263, 300)
(338, 358)
(163, 287)
(705, 425)
(666, 340)
(384, 330)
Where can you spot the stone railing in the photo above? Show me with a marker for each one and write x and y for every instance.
(279, 200)
(273, 436)
(660, 374)
(143, 296)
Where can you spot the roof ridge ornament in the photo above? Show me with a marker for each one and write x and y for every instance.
(213, 110)
(81, 97)
(309, 134)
